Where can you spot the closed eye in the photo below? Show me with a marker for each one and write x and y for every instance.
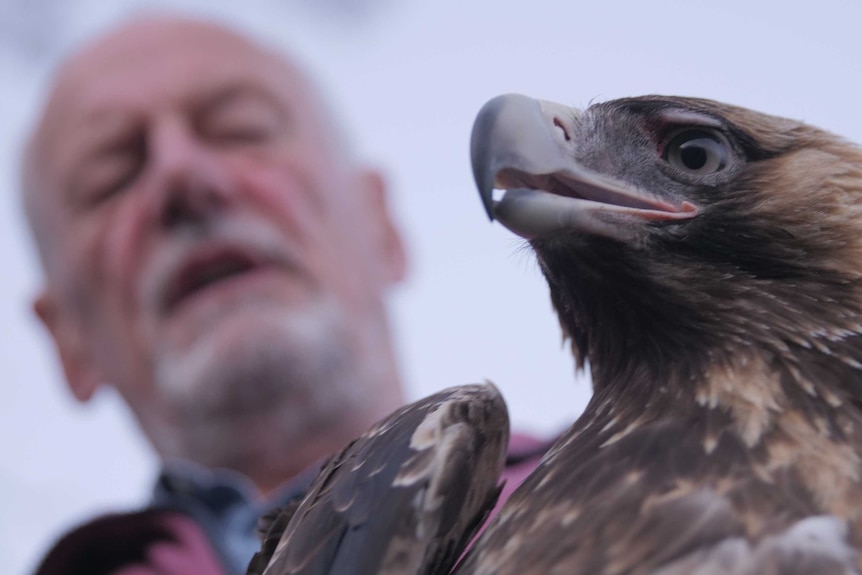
(110, 170)
(240, 117)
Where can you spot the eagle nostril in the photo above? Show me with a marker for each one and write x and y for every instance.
(559, 125)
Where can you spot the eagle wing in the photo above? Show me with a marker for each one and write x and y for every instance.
(405, 497)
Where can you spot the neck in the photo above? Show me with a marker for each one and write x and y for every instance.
(751, 425)
(751, 396)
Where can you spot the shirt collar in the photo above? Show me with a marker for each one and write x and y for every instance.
(225, 503)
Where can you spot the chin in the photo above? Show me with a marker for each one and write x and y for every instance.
(253, 361)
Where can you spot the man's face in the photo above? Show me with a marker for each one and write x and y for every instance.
(199, 216)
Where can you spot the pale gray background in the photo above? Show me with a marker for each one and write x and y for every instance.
(409, 77)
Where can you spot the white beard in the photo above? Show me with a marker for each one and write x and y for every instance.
(280, 376)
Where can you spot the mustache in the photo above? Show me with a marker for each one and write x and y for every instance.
(256, 241)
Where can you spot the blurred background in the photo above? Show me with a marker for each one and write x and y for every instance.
(408, 78)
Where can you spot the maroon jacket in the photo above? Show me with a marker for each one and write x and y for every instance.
(157, 541)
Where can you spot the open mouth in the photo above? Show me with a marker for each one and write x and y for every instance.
(206, 271)
(582, 185)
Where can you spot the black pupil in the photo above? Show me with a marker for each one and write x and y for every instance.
(693, 156)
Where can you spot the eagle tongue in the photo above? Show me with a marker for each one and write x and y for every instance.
(580, 183)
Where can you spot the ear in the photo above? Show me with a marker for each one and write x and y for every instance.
(390, 242)
(81, 376)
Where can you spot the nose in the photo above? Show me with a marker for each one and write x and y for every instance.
(191, 185)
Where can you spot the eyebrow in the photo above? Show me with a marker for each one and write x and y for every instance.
(233, 91)
(104, 128)
(109, 125)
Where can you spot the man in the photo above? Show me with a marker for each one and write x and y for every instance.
(212, 251)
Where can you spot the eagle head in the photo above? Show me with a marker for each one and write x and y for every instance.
(677, 231)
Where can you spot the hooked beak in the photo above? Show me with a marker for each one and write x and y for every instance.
(526, 147)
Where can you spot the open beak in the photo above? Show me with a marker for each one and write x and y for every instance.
(526, 148)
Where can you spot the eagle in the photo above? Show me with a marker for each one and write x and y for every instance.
(705, 263)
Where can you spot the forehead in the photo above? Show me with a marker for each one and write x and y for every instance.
(144, 67)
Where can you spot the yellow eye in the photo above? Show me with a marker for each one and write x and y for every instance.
(698, 152)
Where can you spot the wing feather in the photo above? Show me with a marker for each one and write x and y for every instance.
(406, 496)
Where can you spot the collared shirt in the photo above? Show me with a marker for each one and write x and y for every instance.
(225, 503)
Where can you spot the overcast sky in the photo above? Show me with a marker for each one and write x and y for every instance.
(408, 77)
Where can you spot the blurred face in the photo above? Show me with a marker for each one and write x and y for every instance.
(210, 250)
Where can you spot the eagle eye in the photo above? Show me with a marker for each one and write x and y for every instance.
(697, 151)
